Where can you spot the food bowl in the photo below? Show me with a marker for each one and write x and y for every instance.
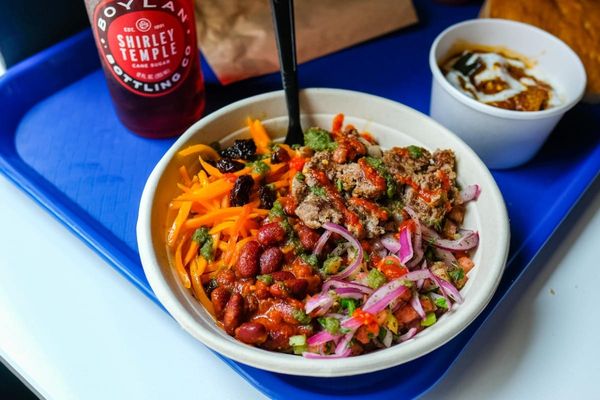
(393, 125)
(505, 138)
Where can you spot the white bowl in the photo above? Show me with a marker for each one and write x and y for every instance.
(393, 125)
(504, 138)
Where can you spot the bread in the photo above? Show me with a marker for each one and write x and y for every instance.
(576, 22)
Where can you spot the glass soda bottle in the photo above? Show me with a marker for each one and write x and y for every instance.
(151, 62)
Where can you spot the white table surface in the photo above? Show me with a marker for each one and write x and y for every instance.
(73, 328)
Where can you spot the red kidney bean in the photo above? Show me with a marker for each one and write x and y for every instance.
(289, 204)
(219, 297)
(251, 333)
(233, 315)
(247, 264)
(271, 234)
(226, 278)
(297, 287)
(279, 290)
(271, 260)
(307, 236)
(282, 275)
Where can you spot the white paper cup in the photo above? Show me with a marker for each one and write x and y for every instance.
(505, 138)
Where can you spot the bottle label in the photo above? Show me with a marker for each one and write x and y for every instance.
(147, 45)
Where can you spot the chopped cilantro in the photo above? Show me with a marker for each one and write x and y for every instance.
(429, 320)
(319, 139)
(296, 146)
(301, 317)
(382, 333)
(201, 235)
(259, 167)
(207, 250)
(415, 151)
(295, 244)
(349, 304)
(457, 274)
(276, 210)
(286, 225)
(318, 191)
(441, 302)
(300, 176)
(310, 259)
(379, 166)
(330, 324)
(332, 265)
(376, 279)
(267, 279)
(339, 185)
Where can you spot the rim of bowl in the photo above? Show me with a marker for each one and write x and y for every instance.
(291, 364)
(496, 111)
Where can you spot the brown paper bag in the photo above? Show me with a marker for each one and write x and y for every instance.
(236, 36)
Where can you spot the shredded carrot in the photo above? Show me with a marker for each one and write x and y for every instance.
(183, 275)
(202, 149)
(259, 134)
(187, 181)
(338, 122)
(192, 251)
(212, 171)
(182, 215)
(210, 191)
(196, 270)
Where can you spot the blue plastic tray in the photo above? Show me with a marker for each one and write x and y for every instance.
(61, 142)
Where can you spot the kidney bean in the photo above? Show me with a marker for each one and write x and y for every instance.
(297, 287)
(289, 204)
(219, 297)
(282, 275)
(279, 289)
(251, 333)
(271, 234)
(307, 236)
(247, 264)
(250, 304)
(271, 260)
(279, 337)
(233, 315)
(226, 278)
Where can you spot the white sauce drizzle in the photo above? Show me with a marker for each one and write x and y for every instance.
(495, 68)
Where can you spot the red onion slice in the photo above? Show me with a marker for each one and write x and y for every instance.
(408, 335)
(340, 230)
(468, 241)
(470, 193)
(416, 275)
(416, 304)
(387, 339)
(451, 291)
(338, 283)
(321, 337)
(321, 242)
(352, 293)
(391, 243)
(351, 323)
(421, 281)
(418, 241)
(342, 346)
(384, 296)
(323, 301)
(406, 248)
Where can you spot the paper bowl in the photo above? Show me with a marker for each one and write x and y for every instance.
(504, 138)
(394, 125)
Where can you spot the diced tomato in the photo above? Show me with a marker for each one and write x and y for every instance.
(408, 224)
(367, 319)
(392, 268)
(297, 163)
(338, 121)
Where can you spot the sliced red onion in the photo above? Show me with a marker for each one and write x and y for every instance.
(321, 242)
(351, 323)
(335, 315)
(321, 337)
(323, 301)
(351, 293)
(471, 192)
(416, 275)
(391, 243)
(445, 256)
(418, 241)
(451, 291)
(467, 242)
(416, 304)
(406, 248)
(342, 346)
(384, 296)
(340, 230)
(438, 283)
(421, 281)
(387, 339)
(408, 335)
(340, 249)
(344, 354)
(338, 283)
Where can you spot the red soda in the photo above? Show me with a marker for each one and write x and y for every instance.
(150, 59)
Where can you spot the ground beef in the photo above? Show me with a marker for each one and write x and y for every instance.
(373, 226)
(315, 210)
(399, 161)
(353, 181)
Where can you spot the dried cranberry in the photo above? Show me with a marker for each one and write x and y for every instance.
(226, 165)
(279, 155)
(244, 149)
(240, 194)
(267, 197)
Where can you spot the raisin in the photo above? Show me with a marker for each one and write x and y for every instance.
(210, 286)
(267, 197)
(244, 149)
(279, 156)
(240, 194)
(226, 165)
